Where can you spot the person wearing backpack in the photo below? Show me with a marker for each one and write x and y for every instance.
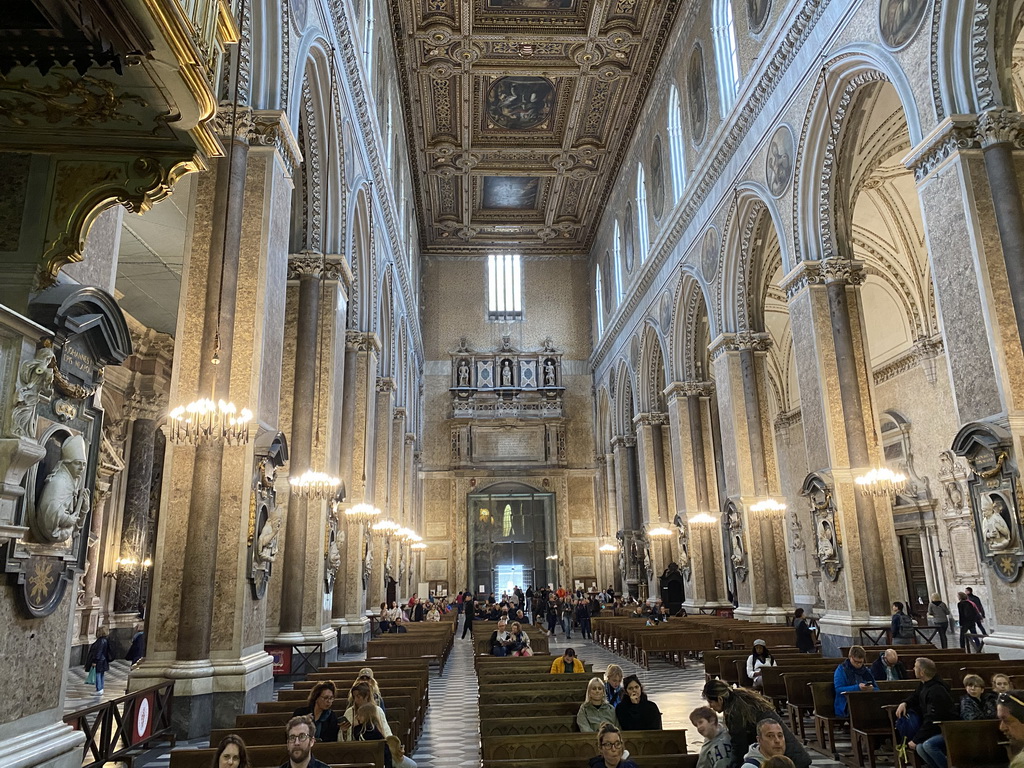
(902, 626)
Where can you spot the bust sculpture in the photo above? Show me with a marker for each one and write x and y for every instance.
(993, 524)
(64, 501)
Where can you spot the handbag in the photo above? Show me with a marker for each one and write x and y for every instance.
(90, 679)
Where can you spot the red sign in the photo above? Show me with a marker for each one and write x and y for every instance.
(282, 658)
(143, 725)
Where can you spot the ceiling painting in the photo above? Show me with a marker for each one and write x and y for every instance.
(519, 114)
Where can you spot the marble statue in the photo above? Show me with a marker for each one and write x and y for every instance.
(367, 563)
(64, 501)
(826, 542)
(993, 523)
(333, 556)
(737, 551)
(506, 374)
(266, 545)
(549, 374)
(463, 374)
(35, 381)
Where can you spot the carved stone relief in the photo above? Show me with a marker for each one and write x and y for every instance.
(817, 489)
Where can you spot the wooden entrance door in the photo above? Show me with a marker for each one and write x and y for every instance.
(917, 580)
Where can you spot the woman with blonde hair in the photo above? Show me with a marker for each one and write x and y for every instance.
(366, 676)
(613, 689)
(369, 726)
(595, 710)
(360, 695)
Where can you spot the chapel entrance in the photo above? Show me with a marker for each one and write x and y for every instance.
(512, 539)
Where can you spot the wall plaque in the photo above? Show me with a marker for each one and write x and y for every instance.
(508, 444)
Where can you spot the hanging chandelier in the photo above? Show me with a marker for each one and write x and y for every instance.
(384, 527)
(608, 548)
(768, 507)
(703, 519)
(315, 485)
(362, 513)
(418, 545)
(659, 532)
(881, 481)
(206, 421)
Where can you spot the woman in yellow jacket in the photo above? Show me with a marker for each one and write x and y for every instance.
(566, 663)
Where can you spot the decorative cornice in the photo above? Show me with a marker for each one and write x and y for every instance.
(271, 129)
(808, 273)
(923, 353)
(626, 441)
(652, 419)
(788, 419)
(139, 405)
(737, 342)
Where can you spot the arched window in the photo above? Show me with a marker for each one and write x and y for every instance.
(676, 148)
(641, 213)
(368, 40)
(726, 54)
(598, 302)
(620, 288)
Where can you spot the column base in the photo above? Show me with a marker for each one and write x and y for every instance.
(210, 694)
(353, 634)
(698, 606)
(762, 613)
(1007, 641)
(38, 742)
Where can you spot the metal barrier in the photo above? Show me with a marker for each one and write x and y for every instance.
(122, 725)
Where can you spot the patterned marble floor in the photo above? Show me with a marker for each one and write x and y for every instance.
(452, 719)
(81, 695)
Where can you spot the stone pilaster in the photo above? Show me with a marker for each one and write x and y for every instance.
(653, 493)
(206, 630)
(834, 377)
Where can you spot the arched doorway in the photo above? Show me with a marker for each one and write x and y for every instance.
(512, 538)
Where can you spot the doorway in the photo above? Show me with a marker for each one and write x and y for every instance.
(511, 539)
(916, 575)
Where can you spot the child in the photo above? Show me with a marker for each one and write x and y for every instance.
(398, 758)
(716, 752)
(1000, 683)
(977, 703)
(368, 727)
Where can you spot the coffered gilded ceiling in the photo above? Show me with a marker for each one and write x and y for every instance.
(519, 112)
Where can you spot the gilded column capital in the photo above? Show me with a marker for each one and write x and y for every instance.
(410, 438)
(824, 272)
(234, 120)
(305, 264)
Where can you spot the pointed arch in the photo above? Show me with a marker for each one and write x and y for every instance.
(651, 374)
(692, 329)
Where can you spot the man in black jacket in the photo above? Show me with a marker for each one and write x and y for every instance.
(933, 703)
(888, 666)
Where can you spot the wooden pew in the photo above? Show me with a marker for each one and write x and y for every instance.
(552, 709)
(974, 744)
(869, 722)
(674, 644)
(649, 761)
(572, 745)
(482, 643)
(523, 726)
(335, 753)
(799, 701)
(825, 720)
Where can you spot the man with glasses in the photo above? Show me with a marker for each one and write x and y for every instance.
(611, 748)
(300, 732)
(1010, 711)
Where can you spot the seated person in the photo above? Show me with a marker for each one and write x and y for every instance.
(566, 663)
(319, 707)
(610, 749)
(771, 742)
(716, 751)
(977, 703)
(1000, 683)
(932, 703)
(368, 727)
(759, 657)
(888, 666)
(1010, 711)
(433, 614)
(595, 710)
(500, 640)
(366, 676)
(398, 757)
(852, 675)
(613, 689)
(519, 641)
(636, 712)
(360, 695)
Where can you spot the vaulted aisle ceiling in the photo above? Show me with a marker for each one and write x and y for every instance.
(519, 112)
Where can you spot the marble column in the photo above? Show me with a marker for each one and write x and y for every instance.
(382, 485)
(688, 403)
(967, 171)
(396, 477)
(128, 595)
(653, 496)
(835, 385)
(307, 270)
(206, 628)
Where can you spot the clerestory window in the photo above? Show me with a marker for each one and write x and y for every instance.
(504, 287)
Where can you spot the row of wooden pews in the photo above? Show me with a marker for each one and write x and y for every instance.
(801, 685)
(528, 719)
(403, 679)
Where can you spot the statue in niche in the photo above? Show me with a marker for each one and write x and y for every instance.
(995, 527)
(506, 373)
(387, 565)
(463, 373)
(267, 543)
(826, 541)
(35, 381)
(367, 562)
(64, 502)
(549, 373)
(737, 551)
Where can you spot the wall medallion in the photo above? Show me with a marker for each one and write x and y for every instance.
(697, 95)
(757, 14)
(898, 20)
(709, 255)
(657, 179)
(778, 165)
(994, 495)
